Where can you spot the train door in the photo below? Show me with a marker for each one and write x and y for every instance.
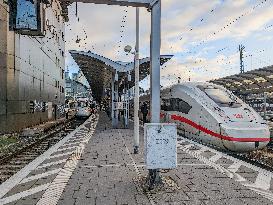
(205, 125)
(188, 116)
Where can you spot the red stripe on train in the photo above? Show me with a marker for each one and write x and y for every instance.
(214, 134)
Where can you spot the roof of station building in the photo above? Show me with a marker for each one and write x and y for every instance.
(252, 82)
(99, 70)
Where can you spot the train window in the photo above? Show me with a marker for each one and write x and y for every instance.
(82, 104)
(165, 105)
(184, 107)
(221, 97)
(174, 104)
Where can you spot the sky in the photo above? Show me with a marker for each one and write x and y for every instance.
(204, 36)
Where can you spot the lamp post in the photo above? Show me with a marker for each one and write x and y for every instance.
(128, 49)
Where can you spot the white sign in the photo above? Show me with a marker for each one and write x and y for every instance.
(119, 105)
(160, 145)
(50, 110)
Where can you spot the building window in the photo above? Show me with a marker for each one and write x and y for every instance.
(44, 107)
(27, 17)
(31, 106)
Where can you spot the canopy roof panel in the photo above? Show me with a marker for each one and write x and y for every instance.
(99, 70)
(252, 82)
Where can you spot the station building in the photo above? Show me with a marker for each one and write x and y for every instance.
(32, 48)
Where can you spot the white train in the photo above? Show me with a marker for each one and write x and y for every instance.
(213, 115)
(83, 109)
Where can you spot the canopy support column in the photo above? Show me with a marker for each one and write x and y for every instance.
(154, 176)
(136, 97)
(114, 100)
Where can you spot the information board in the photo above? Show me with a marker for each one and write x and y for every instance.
(160, 145)
(119, 106)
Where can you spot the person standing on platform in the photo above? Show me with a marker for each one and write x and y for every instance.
(144, 110)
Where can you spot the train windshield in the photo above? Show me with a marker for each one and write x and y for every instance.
(82, 104)
(221, 97)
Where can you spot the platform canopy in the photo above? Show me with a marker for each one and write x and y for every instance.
(99, 70)
(252, 82)
(136, 3)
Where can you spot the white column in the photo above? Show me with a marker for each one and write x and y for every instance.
(155, 62)
(154, 176)
(136, 98)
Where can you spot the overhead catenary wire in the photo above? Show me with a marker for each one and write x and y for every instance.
(122, 31)
(225, 27)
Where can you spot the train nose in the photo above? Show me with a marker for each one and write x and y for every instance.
(245, 137)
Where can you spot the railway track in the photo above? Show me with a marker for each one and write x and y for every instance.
(13, 162)
(261, 158)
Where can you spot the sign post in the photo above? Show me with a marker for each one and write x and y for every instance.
(160, 149)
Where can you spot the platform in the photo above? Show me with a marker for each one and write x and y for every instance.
(94, 165)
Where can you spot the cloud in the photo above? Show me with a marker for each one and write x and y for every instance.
(185, 24)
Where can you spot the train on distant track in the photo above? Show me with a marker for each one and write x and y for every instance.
(213, 115)
(83, 108)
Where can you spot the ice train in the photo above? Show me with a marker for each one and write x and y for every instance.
(83, 109)
(213, 115)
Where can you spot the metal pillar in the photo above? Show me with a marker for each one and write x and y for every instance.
(116, 110)
(126, 107)
(155, 62)
(114, 100)
(136, 98)
(154, 177)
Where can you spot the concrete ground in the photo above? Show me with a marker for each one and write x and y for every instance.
(96, 166)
